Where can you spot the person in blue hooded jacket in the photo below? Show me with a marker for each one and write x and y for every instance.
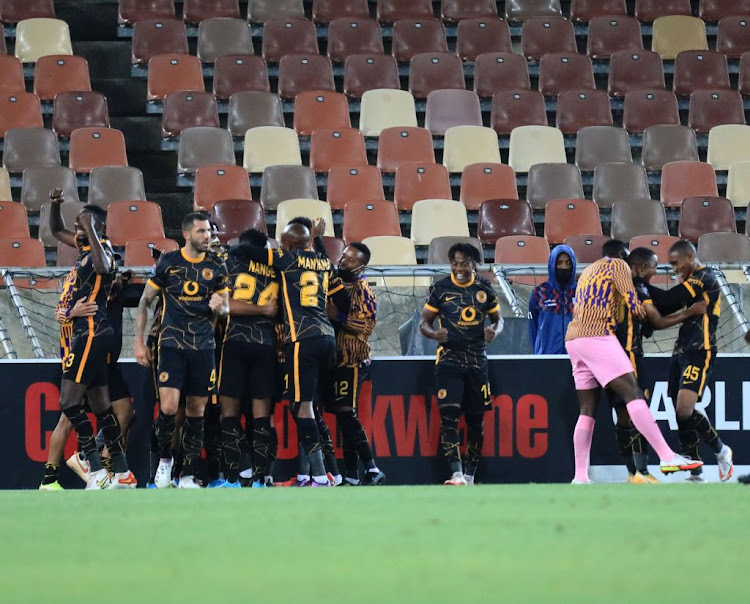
(551, 303)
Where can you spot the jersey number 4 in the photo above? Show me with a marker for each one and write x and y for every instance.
(245, 286)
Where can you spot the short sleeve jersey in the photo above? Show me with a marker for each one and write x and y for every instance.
(630, 331)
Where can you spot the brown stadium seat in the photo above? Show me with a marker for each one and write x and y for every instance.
(709, 108)
(94, 147)
(74, 110)
(260, 11)
(283, 37)
(504, 217)
(398, 146)
(659, 244)
(437, 253)
(336, 147)
(13, 11)
(481, 35)
(133, 220)
(363, 219)
(19, 110)
(494, 72)
(681, 179)
(115, 183)
(619, 180)
(578, 109)
(650, 10)
(203, 146)
(253, 109)
(523, 249)
(54, 74)
(67, 255)
(29, 147)
(415, 182)
(553, 181)
(520, 10)
(239, 73)
(459, 10)
(314, 109)
(348, 182)
(634, 70)
(223, 36)
(416, 36)
(601, 144)
(714, 10)
(561, 71)
(435, 71)
(353, 36)
(541, 36)
(132, 11)
(610, 34)
(480, 182)
(369, 72)
(69, 212)
(587, 10)
(634, 217)
(724, 247)
(675, 33)
(390, 11)
(21, 252)
(152, 37)
(700, 70)
(219, 182)
(287, 182)
(514, 108)
(233, 216)
(566, 217)
(699, 215)
(448, 108)
(40, 180)
(644, 108)
(139, 252)
(668, 143)
(171, 73)
(187, 109)
(325, 11)
(334, 248)
(299, 73)
(587, 248)
(733, 38)
(11, 75)
(13, 220)
(197, 11)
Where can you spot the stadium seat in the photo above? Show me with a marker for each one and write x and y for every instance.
(587, 248)
(601, 144)
(520, 10)
(681, 179)
(311, 208)
(397, 251)
(253, 109)
(363, 219)
(390, 11)
(271, 146)
(432, 218)
(667, 143)
(483, 181)
(386, 108)
(139, 252)
(172, 73)
(223, 36)
(13, 220)
(541, 36)
(700, 70)
(353, 36)
(132, 11)
(611, 34)
(733, 37)
(67, 255)
(738, 184)
(400, 145)
(234, 216)
(287, 182)
(630, 71)
(11, 75)
(40, 180)
(531, 145)
(553, 181)
(219, 182)
(724, 247)
(514, 108)
(494, 72)
(650, 10)
(435, 71)
(13, 11)
(133, 220)
(69, 212)
(566, 217)
(659, 244)
(5, 192)
(699, 215)
(448, 108)
(499, 218)
(709, 108)
(675, 33)
(644, 108)
(115, 183)
(288, 36)
(561, 71)
(347, 182)
(325, 11)
(54, 74)
(74, 110)
(197, 11)
(619, 180)
(415, 182)
(37, 38)
(3, 46)
(466, 145)
(714, 10)
(481, 35)
(21, 252)
(30, 147)
(634, 217)
(727, 145)
(202, 146)
(239, 73)
(299, 73)
(336, 147)
(454, 11)
(152, 37)
(523, 249)
(369, 72)
(416, 36)
(94, 147)
(19, 110)
(187, 109)
(334, 248)
(584, 11)
(437, 253)
(578, 109)
(315, 109)
(260, 11)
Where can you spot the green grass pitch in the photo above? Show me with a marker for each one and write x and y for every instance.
(386, 545)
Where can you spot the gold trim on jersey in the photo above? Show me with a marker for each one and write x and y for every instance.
(431, 308)
(152, 284)
(469, 284)
(705, 371)
(297, 388)
(292, 330)
(90, 338)
(192, 260)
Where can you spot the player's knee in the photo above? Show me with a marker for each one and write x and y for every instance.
(169, 406)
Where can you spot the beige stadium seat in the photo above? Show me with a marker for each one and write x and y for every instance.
(41, 37)
(271, 146)
(531, 145)
(728, 144)
(432, 218)
(5, 194)
(466, 145)
(676, 33)
(738, 184)
(388, 250)
(385, 108)
(311, 208)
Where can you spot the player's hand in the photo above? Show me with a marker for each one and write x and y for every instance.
(216, 302)
(88, 224)
(489, 334)
(142, 354)
(56, 195)
(699, 308)
(270, 309)
(441, 335)
(83, 308)
(318, 228)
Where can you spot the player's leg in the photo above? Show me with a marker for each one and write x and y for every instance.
(55, 453)
(449, 384)
(588, 401)
(171, 374)
(629, 443)
(212, 437)
(233, 371)
(326, 446)
(109, 425)
(477, 400)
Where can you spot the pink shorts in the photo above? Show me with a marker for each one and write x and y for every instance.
(597, 361)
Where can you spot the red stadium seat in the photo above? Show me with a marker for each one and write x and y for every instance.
(11, 75)
(513, 108)
(561, 71)
(733, 38)
(329, 148)
(369, 72)
(171, 73)
(187, 109)
(128, 220)
(21, 252)
(352, 36)
(13, 11)
(139, 252)
(459, 10)
(435, 71)
(744, 79)
(714, 10)
(577, 109)
(54, 74)
(709, 108)
(397, 146)
(13, 220)
(681, 179)
(132, 11)
(588, 10)
(315, 109)
(541, 36)
(389, 11)
(239, 73)
(500, 218)
(659, 244)
(94, 147)
(700, 70)
(520, 10)
(634, 70)
(348, 182)
(700, 215)
(495, 72)
(232, 217)
(363, 219)
(481, 35)
(416, 36)
(650, 10)
(566, 217)
(480, 182)
(196, 11)
(152, 37)
(325, 11)
(523, 249)
(646, 108)
(608, 35)
(74, 110)
(587, 248)
(299, 73)
(283, 37)
(219, 182)
(260, 11)
(415, 182)
(19, 110)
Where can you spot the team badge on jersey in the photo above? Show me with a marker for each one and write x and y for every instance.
(442, 393)
(163, 376)
(481, 297)
(207, 274)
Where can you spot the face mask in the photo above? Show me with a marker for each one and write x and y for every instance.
(639, 280)
(349, 275)
(563, 275)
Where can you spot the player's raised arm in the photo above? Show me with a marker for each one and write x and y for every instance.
(622, 279)
(56, 221)
(100, 257)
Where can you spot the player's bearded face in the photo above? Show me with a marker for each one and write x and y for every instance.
(462, 268)
(350, 265)
(199, 236)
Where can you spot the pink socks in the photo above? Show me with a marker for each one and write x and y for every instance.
(646, 425)
(582, 446)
